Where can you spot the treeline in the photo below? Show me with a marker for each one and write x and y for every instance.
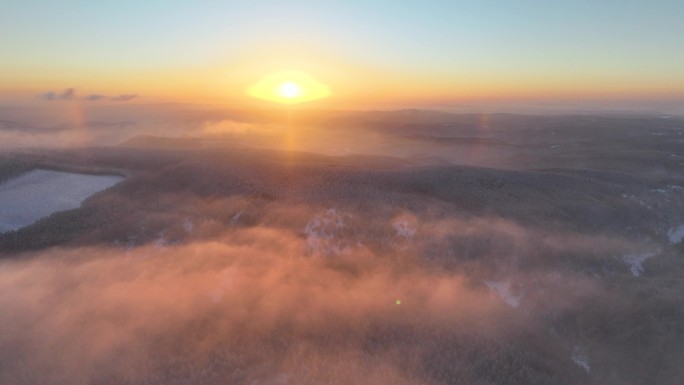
(12, 168)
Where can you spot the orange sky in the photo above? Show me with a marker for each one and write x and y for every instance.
(364, 52)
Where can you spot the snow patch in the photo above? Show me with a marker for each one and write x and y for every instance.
(235, 218)
(321, 234)
(635, 261)
(581, 358)
(633, 198)
(404, 228)
(161, 241)
(676, 234)
(504, 291)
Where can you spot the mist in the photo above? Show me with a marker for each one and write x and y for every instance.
(318, 303)
(338, 247)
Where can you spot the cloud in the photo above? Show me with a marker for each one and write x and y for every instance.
(95, 97)
(70, 94)
(212, 298)
(48, 96)
(246, 292)
(124, 315)
(124, 97)
(67, 94)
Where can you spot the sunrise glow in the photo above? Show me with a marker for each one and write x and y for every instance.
(289, 87)
(341, 192)
(289, 90)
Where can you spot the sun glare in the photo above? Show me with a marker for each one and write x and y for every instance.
(289, 87)
(289, 90)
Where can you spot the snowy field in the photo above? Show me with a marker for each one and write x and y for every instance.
(39, 193)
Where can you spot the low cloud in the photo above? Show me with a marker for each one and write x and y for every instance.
(242, 290)
(124, 97)
(67, 94)
(250, 307)
(95, 97)
(70, 94)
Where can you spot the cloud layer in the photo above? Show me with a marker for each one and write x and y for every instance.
(248, 291)
(70, 94)
(246, 306)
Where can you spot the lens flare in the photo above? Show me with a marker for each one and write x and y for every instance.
(289, 87)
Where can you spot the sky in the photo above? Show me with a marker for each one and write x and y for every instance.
(365, 51)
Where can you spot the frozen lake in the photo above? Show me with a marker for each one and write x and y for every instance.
(39, 193)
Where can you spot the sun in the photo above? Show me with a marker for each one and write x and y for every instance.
(289, 90)
(289, 87)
